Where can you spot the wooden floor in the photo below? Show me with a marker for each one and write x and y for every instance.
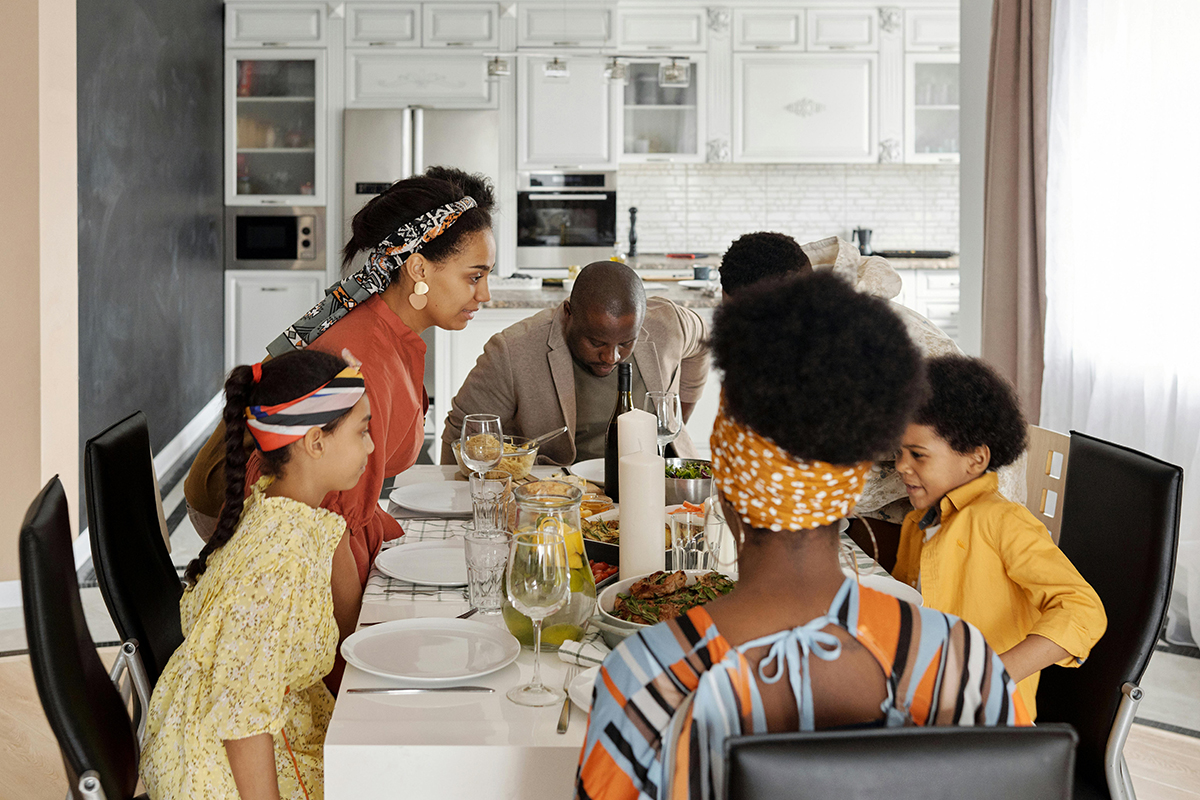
(1165, 766)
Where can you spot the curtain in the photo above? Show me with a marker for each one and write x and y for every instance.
(1014, 217)
(1122, 205)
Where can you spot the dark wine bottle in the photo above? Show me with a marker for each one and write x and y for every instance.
(624, 403)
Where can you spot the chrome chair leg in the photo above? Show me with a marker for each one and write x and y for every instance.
(1120, 785)
(129, 662)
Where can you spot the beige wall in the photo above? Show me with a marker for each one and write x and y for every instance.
(39, 404)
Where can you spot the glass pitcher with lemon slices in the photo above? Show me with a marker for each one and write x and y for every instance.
(554, 506)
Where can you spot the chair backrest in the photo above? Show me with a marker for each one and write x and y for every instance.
(83, 706)
(1120, 529)
(1045, 476)
(137, 579)
(894, 763)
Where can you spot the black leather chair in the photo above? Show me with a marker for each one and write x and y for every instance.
(899, 763)
(137, 579)
(85, 709)
(1120, 528)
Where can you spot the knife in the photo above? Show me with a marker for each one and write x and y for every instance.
(419, 690)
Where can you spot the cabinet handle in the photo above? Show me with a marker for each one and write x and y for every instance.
(272, 289)
(274, 44)
(458, 44)
(566, 44)
(266, 202)
(659, 47)
(659, 160)
(378, 44)
(947, 47)
(840, 46)
(766, 47)
(566, 166)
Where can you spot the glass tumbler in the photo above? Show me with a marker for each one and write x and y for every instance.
(491, 494)
(487, 556)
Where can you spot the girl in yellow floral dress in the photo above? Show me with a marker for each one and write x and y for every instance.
(241, 708)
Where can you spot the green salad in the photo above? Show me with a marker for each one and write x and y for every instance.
(689, 471)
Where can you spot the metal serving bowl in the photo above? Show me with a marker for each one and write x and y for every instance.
(689, 490)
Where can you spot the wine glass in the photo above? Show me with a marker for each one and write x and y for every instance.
(482, 445)
(538, 584)
(669, 413)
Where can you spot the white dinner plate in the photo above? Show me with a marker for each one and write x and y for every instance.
(439, 563)
(591, 470)
(443, 498)
(886, 585)
(431, 650)
(695, 284)
(580, 689)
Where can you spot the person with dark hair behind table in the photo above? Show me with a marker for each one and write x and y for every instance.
(819, 380)
(430, 250)
(240, 709)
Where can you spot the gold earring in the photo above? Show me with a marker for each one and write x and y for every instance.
(418, 298)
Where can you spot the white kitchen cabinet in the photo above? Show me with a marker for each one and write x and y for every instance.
(260, 304)
(843, 29)
(383, 25)
(663, 124)
(566, 122)
(559, 25)
(662, 29)
(460, 25)
(275, 25)
(931, 29)
(810, 108)
(382, 79)
(768, 29)
(931, 108)
(275, 127)
(932, 293)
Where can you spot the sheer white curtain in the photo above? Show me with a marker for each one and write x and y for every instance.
(1122, 347)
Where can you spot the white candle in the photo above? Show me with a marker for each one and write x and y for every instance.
(637, 430)
(643, 498)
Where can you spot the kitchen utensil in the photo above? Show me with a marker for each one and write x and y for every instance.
(632, 231)
(702, 272)
(545, 437)
(863, 235)
(564, 717)
(431, 651)
(419, 689)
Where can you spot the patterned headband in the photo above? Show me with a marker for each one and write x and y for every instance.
(375, 276)
(770, 489)
(279, 425)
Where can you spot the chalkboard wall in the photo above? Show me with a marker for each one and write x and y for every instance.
(150, 208)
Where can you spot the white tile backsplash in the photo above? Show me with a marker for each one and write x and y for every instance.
(704, 207)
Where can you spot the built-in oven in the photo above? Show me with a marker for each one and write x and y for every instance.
(274, 238)
(565, 218)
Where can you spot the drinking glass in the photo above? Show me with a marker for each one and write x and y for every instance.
(669, 413)
(538, 584)
(690, 548)
(487, 556)
(491, 492)
(482, 445)
(718, 536)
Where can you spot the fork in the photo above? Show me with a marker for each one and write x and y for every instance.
(564, 718)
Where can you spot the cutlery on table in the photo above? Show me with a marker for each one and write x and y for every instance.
(545, 437)
(470, 613)
(564, 718)
(419, 689)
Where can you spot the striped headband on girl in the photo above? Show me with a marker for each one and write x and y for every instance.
(279, 425)
(375, 276)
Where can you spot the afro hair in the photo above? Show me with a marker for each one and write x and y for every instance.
(971, 405)
(756, 256)
(827, 373)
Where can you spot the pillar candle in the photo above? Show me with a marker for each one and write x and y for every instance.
(643, 498)
(637, 430)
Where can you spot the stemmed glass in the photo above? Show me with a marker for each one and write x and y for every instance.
(482, 445)
(538, 584)
(667, 410)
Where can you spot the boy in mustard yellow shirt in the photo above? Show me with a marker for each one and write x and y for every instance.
(971, 552)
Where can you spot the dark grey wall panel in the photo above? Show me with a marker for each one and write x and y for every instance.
(150, 211)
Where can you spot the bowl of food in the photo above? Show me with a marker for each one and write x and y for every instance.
(517, 460)
(639, 602)
(689, 480)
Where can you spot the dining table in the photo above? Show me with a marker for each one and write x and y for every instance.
(470, 745)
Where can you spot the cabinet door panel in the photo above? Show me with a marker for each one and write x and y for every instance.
(460, 25)
(931, 29)
(805, 108)
(768, 29)
(843, 30)
(565, 122)
(556, 26)
(257, 309)
(662, 30)
(389, 80)
(394, 25)
(300, 24)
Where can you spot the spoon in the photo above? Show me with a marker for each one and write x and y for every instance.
(545, 437)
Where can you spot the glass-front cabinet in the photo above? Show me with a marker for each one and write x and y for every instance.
(275, 127)
(931, 107)
(663, 114)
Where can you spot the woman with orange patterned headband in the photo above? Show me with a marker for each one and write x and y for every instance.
(241, 708)
(819, 381)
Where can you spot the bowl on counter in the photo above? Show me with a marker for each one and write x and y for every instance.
(517, 461)
(688, 490)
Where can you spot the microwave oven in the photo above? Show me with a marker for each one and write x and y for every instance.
(565, 218)
(274, 238)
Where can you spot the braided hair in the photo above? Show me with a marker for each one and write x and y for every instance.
(285, 378)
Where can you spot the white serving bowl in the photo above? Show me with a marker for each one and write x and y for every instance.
(608, 597)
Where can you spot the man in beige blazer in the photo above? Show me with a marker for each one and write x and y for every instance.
(529, 372)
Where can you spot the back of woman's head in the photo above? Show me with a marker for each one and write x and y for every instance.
(407, 199)
(828, 373)
(283, 379)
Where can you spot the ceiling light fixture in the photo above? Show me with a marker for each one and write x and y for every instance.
(675, 75)
(556, 69)
(616, 71)
(498, 68)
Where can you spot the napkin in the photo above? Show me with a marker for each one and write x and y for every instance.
(587, 652)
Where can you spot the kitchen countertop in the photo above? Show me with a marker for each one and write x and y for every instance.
(553, 295)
